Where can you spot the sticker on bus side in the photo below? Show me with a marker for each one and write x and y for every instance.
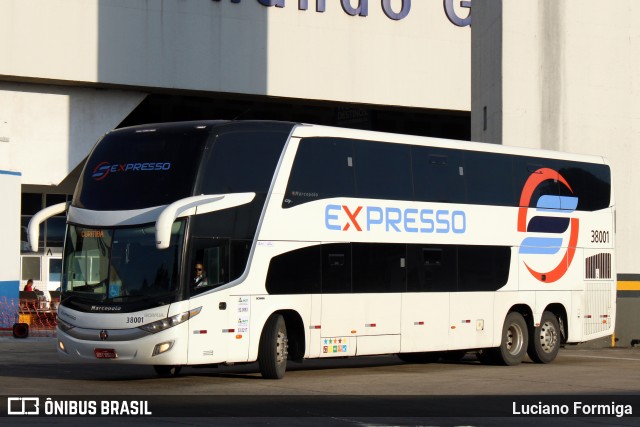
(543, 233)
(335, 345)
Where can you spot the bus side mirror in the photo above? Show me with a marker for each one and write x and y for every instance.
(33, 229)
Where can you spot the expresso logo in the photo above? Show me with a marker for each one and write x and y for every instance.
(393, 219)
(546, 233)
(104, 169)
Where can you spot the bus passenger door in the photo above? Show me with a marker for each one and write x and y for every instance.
(362, 286)
(379, 279)
(431, 277)
(221, 332)
(482, 270)
(342, 312)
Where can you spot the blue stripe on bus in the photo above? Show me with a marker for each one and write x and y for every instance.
(541, 245)
(10, 173)
(548, 224)
(557, 204)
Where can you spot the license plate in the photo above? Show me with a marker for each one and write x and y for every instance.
(105, 353)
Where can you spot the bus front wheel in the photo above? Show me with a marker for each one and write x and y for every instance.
(544, 343)
(273, 348)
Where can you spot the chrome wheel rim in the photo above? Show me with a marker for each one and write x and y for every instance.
(548, 337)
(515, 339)
(281, 347)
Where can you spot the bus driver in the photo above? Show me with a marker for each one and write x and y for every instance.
(200, 279)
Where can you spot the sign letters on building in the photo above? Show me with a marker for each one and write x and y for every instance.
(361, 8)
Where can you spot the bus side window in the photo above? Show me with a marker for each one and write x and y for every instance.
(379, 267)
(336, 260)
(336, 268)
(432, 268)
(489, 179)
(590, 183)
(213, 256)
(243, 161)
(215, 265)
(438, 175)
(483, 268)
(238, 258)
(296, 272)
(383, 171)
(323, 168)
(524, 167)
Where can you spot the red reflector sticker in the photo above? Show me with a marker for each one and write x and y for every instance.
(105, 353)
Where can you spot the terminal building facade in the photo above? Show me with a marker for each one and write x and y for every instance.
(554, 74)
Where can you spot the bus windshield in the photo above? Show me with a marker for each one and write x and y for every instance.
(120, 265)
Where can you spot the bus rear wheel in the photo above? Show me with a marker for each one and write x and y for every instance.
(545, 339)
(514, 344)
(273, 348)
(167, 371)
(515, 340)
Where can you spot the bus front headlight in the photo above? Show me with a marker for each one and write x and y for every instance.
(170, 322)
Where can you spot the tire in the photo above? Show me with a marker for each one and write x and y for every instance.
(424, 357)
(515, 341)
(20, 330)
(167, 371)
(273, 348)
(545, 340)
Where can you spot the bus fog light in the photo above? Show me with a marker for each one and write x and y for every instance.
(61, 346)
(162, 347)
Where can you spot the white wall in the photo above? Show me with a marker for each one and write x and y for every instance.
(46, 130)
(52, 39)
(422, 60)
(10, 232)
(570, 77)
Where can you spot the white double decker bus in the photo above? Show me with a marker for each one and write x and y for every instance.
(319, 242)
